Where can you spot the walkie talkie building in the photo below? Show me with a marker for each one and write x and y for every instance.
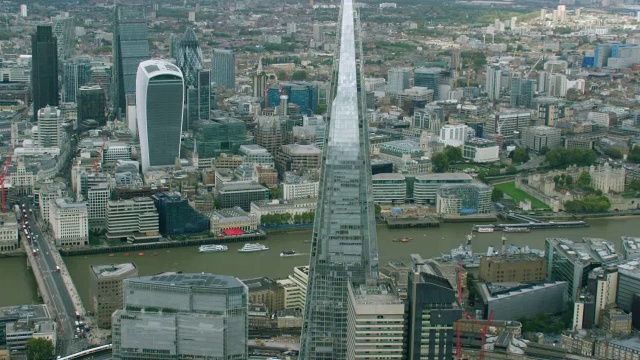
(343, 248)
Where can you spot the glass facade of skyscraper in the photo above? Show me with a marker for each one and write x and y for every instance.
(343, 247)
(189, 58)
(74, 75)
(130, 47)
(204, 95)
(223, 68)
(44, 69)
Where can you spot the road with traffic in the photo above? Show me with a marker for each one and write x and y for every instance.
(68, 342)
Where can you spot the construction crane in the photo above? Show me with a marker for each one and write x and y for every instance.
(2, 180)
(98, 160)
(526, 76)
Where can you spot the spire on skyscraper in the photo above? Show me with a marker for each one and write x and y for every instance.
(343, 248)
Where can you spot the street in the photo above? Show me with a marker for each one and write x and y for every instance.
(62, 302)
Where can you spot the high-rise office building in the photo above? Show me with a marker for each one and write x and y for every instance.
(189, 58)
(343, 247)
(49, 127)
(44, 69)
(432, 309)
(204, 95)
(398, 80)
(159, 99)
(492, 84)
(521, 92)
(63, 31)
(429, 78)
(182, 316)
(105, 289)
(223, 68)
(91, 104)
(74, 75)
(130, 47)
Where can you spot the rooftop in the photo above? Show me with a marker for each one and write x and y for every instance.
(302, 149)
(512, 258)
(203, 280)
(444, 176)
(630, 245)
(259, 284)
(112, 270)
(229, 213)
(590, 250)
(388, 176)
(380, 294)
(241, 186)
(493, 291)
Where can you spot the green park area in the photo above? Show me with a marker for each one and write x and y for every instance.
(509, 188)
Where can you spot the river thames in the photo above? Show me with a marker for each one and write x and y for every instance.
(19, 286)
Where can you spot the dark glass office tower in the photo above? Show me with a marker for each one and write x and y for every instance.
(204, 94)
(343, 247)
(160, 106)
(44, 69)
(130, 47)
(91, 105)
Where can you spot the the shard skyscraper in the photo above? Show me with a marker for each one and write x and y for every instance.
(343, 247)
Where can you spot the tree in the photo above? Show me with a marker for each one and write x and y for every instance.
(584, 181)
(544, 150)
(568, 181)
(497, 194)
(454, 154)
(282, 75)
(39, 349)
(440, 162)
(520, 155)
(613, 153)
(590, 204)
(634, 185)
(299, 75)
(511, 169)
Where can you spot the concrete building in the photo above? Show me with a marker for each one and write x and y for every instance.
(464, 199)
(9, 240)
(240, 194)
(628, 284)
(293, 207)
(105, 289)
(298, 187)
(510, 301)
(389, 188)
(299, 158)
(134, 219)
(617, 349)
(537, 137)
(97, 198)
(602, 284)
(513, 268)
(375, 322)
(453, 135)
(607, 179)
(492, 84)
(48, 191)
(49, 127)
(481, 150)
(508, 123)
(571, 261)
(232, 218)
(431, 311)
(295, 288)
(630, 247)
(69, 222)
(256, 154)
(177, 316)
(266, 292)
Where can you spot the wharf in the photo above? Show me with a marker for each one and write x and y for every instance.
(261, 236)
(412, 222)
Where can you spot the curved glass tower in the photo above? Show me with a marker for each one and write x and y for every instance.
(343, 248)
(160, 104)
(189, 58)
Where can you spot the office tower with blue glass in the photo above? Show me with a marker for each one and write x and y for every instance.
(44, 69)
(204, 95)
(130, 47)
(160, 106)
(343, 247)
(223, 68)
(74, 75)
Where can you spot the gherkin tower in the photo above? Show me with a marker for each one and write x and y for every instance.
(343, 248)
(189, 58)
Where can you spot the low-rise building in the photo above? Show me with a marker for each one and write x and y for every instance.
(510, 301)
(293, 207)
(513, 268)
(617, 321)
(464, 199)
(481, 150)
(133, 220)
(607, 179)
(617, 349)
(426, 186)
(240, 194)
(389, 188)
(232, 218)
(70, 222)
(267, 292)
(295, 288)
(301, 158)
(630, 247)
(298, 187)
(9, 240)
(105, 289)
